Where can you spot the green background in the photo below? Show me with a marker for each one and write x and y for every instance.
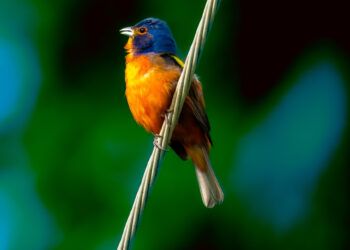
(276, 83)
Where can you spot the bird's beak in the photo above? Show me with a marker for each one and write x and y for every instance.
(127, 31)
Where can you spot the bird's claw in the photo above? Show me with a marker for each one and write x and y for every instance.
(157, 142)
(167, 117)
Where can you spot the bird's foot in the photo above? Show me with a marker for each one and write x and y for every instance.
(167, 116)
(157, 142)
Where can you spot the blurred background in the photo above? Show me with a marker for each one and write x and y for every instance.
(276, 81)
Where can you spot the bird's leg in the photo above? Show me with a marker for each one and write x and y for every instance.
(157, 142)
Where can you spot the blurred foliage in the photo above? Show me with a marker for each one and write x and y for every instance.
(276, 83)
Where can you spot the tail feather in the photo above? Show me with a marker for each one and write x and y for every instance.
(209, 186)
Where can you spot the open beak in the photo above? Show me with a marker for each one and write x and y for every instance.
(127, 31)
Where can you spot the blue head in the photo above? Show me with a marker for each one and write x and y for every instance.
(150, 35)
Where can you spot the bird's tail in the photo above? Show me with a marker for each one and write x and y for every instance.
(208, 184)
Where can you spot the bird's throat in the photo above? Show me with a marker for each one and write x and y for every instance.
(128, 46)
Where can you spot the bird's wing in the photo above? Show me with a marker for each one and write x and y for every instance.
(195, 98)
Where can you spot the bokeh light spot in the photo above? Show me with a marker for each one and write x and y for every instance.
(10, 80)
(278, 163)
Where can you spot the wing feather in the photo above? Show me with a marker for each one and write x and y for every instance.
(195, 98)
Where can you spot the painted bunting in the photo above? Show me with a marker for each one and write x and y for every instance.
(151, 74)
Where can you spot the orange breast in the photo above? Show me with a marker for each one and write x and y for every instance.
(150, 84)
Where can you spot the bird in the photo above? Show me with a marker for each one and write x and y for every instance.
(152, 70)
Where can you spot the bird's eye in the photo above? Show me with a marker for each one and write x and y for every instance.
(142, 30)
